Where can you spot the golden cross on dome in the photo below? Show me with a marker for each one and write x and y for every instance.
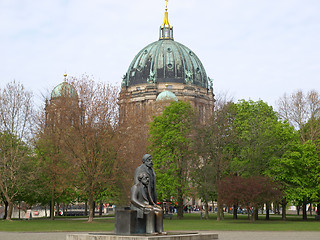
(167, 5)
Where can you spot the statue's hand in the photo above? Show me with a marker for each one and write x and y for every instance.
(147, 209)
(157, 208)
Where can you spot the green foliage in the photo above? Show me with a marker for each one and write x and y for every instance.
(171, 149)
(15, 165)
(299, 171)
(261, 137)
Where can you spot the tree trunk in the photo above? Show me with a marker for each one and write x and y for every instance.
(278, 208)
(10, 210)
(64, 209)
(57, 210)
(284, 209)
(235, 211)
(304, 210)
(180, 204)
(52, 204)
(206, 207)
(94, 208)
(222, 214)
(5, 209)
(219, 210)
(255, 214)
(86, 208)
(318, 209)
(310, 209)
(267, 211)
(100, 208)
(298, 210)
(91, 208)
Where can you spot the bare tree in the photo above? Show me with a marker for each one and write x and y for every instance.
(16, 108)
(91, 142)
(213, 142)
(298, 109)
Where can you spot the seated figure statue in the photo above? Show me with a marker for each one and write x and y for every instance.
(142, 202)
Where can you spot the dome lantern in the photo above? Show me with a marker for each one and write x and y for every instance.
(166, 30)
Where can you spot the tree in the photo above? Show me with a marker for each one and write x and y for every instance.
(133, 131)
(15, 126)
(214, 146)
(258, 130)
(299, 108)
(170, 145)
(90, 143)
(299, 171)
(55, 173)
(77, 143)
(251, 192)
(261, 137)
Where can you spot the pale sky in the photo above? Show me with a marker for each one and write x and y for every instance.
(253, 49)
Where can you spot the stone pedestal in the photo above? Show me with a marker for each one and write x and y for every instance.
(170, 236)
(125, 221)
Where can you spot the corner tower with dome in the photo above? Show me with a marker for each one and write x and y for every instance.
(63, 105)
(166, 70)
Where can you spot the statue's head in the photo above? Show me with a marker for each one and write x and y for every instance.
(147, 160)
(143, 178)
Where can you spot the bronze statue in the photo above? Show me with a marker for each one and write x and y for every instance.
(142, 202)
(144, 197)
(146, 166)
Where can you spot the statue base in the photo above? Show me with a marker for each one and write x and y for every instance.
(168, 236)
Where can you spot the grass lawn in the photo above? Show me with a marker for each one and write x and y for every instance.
(190, 222)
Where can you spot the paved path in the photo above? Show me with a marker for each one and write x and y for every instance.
(223, 235)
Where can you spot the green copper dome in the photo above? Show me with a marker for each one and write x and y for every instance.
(166, 61)
(64, 89)
(167, 96)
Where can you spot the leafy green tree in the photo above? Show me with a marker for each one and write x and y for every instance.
(301, 110)
(256, 124)
(299, 171)
(261, 137)
(15, 169)
(54, 175)
(171, 148)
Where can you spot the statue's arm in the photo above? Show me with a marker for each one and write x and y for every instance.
(134, 198)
